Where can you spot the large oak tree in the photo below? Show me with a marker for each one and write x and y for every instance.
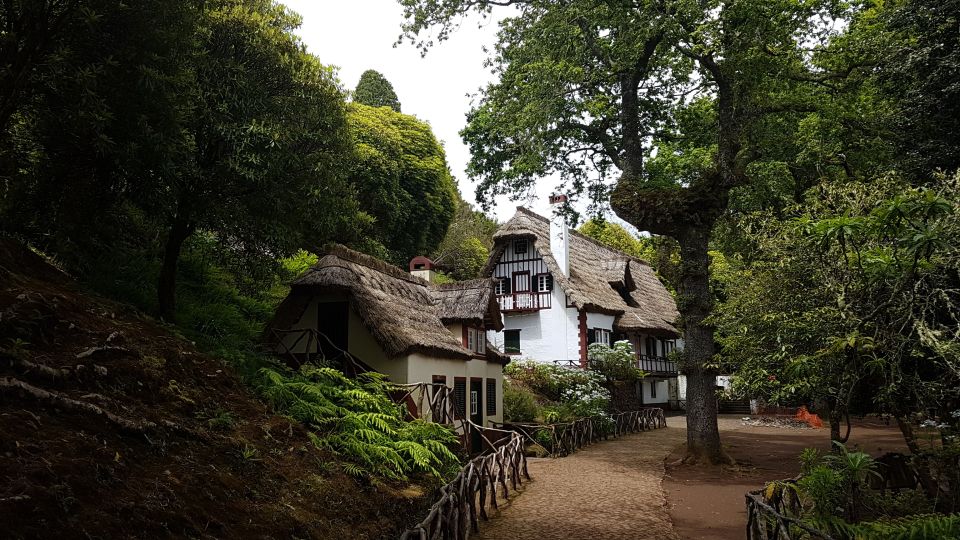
(663, 99)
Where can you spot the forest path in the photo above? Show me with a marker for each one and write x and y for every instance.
(609, 490)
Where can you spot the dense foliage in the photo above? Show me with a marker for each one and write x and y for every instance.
(466, 247)
(402, 180)
(374, 90)
(560, 394)
(355, 418)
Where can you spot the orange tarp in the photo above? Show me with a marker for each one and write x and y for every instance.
(811, 419)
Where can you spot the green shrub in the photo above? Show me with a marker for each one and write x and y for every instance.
(355, 418)
(822, 491)
(519, 404)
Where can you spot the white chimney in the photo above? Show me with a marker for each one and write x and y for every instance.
(559, 234)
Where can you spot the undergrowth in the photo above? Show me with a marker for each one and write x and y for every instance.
(356, 419)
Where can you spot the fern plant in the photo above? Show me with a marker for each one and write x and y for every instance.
(356, 419)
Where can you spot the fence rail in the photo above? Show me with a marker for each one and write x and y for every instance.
(568, 437)
(777, 517)
(464, 501)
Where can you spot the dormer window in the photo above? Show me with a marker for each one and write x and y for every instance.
(520, 247)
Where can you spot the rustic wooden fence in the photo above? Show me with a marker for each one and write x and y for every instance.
(464, 501)
(568, 437)
(774, 514)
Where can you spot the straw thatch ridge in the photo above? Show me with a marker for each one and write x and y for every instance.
(396, 307)
(602, 279)
(404, 313)
(472, 302)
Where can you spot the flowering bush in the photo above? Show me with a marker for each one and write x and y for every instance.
(572, 393)
(616, 363)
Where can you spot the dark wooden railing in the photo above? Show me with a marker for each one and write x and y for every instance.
(524, 301)
(777, 517)
(464, 501)
(657, 365)
(568, 437)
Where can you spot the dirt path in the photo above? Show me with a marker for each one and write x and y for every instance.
(609, 490)
(708, 502)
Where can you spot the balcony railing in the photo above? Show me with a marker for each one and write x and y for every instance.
(524, 301)
(657, 364)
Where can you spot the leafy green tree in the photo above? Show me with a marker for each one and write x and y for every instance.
(466, 246)
(402, 180)
(855, 303)
(92, 133)
(31, 30)
(269, 134)
(616, 237)
(588, 88)
(921, 74)
(374, 90)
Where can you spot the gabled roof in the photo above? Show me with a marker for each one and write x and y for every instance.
(471, 301)
(601, 280)
(404, 313)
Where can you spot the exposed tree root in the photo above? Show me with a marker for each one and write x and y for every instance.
(8, 384)
(42, 368)
(694, 457)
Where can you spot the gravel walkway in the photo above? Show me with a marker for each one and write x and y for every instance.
(608, 490)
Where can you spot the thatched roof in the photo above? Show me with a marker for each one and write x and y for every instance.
(601, 280)
(403, 312)
(472, 302)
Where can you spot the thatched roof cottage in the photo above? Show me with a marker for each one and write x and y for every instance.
(560, 291)
(396, 323)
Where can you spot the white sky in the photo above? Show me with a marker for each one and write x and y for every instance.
(357, 35)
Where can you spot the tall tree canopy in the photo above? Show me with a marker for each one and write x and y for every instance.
(669, 99)
(376, 91)
(466, 246)
(402, 179)
(162, 119)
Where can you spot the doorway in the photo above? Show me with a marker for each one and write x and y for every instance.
(476, 414)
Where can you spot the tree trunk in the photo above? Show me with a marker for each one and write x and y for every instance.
(167, 285)
(695, 303)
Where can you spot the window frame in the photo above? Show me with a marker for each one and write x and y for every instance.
(521, 242)
(547, 280)
(506, 347)
(503, 286)
(653, 389)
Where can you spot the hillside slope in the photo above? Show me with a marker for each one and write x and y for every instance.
(112, 427)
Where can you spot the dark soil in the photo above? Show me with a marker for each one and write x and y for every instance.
(708, 502)
(191, 452)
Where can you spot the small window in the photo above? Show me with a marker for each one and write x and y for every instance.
(511, 341)
(460, 397)
(653, 389)
(651, 347)
(502, 287)
(544, 283)
(520, 247)
(491, 397)
(602, 336)
(476, 340)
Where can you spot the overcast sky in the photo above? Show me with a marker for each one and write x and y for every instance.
(356, 35)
